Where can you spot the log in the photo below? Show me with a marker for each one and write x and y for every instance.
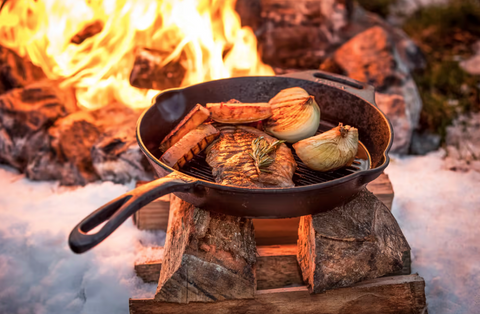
(25, 116)
(90, 145)
(88, 31)
(208, 257)
(357, 241)
(150, 72)
(395, 295)
(154, 216)
(17, 72)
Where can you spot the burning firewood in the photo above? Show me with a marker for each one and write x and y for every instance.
(150, 72)
(16, 71)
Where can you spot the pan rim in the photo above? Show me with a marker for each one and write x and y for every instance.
(279, 190)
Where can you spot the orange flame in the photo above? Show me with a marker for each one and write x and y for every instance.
(207, 32)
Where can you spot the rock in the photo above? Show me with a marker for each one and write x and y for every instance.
(369, 57)
(372, 57)
(424, 142)
(395, 109)
(463, 143)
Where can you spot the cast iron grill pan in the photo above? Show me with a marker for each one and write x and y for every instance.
(340, 99)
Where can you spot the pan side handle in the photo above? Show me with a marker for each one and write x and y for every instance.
(357, 88)
(117, 211)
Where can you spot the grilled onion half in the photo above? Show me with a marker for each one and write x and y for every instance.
(295, 115)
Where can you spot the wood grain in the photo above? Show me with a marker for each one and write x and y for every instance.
(208, 256)
(276, 267)
(388, 295)
(354, 242)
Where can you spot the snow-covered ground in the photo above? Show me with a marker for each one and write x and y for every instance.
(438, 210)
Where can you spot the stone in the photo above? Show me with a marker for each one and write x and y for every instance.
(395, 108)
(369, 57)
(463, 143)
(424, 142)
(372, 57)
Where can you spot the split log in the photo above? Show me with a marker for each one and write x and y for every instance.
(357, 241)
(388, 295)
(150, 72)
(208, 257)
(25, 115)
(16, 72)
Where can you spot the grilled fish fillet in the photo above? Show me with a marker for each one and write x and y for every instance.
(232, 165)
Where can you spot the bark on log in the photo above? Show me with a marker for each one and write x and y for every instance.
(388, 295)
(150, 72)
(25, 115)
(208, 257)
(16, 72)
(357, 241)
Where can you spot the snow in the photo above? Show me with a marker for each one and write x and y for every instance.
(438, 210)
(38, 272)
(439, 213)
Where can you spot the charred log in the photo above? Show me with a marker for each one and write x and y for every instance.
(25, 116)
(86, 146)
(357, 241)
(208, 257)
(87, 32)
(16, 71)
(149, 70)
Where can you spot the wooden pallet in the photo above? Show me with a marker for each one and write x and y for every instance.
(387, 295)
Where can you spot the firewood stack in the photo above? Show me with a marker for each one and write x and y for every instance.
(348, 260)
(45, 135)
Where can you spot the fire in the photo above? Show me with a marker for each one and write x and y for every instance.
(207, 32)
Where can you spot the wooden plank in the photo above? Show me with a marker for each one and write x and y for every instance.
(154, 216)
(277, 267)
(387, 295)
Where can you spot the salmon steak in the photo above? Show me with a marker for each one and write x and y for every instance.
(232, 165)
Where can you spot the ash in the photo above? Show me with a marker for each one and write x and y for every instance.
(438, 210)
(439, 213)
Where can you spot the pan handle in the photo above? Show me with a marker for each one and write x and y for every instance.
(118, 210)
(359, 89)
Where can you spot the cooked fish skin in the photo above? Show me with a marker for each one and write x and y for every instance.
(232, 165)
